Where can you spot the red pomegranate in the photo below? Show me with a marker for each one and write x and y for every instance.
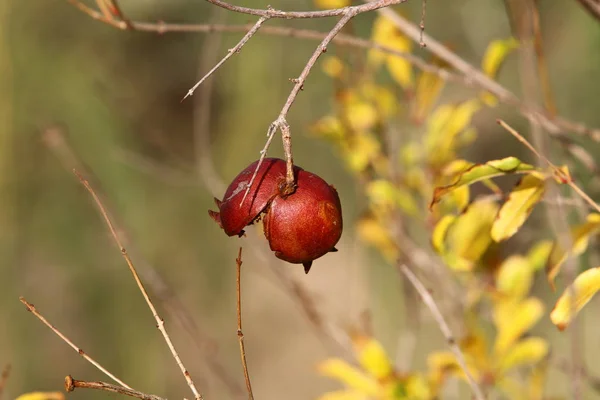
(300, 227)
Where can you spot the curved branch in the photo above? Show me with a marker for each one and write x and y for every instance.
(336, 12)
(592, 7)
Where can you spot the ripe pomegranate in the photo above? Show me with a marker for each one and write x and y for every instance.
(300, 227)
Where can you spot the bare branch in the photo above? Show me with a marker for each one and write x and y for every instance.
(232, 51)
(71, 384)
(437, 315)
(240, 334)
(554, 126)
(31, 308)
(272, 13)
(160, 323)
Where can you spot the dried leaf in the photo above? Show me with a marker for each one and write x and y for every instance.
(580, 237)
(519, 205)
(585, 287)
(479, 172)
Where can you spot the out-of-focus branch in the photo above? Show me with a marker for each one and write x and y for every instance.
(4, 378)
(554, 125)
(592, 7)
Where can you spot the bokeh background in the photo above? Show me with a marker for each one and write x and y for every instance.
(78, 93)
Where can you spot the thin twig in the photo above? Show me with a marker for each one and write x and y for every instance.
(232, 51)
(31, 308)
(336, 12)
(57, 141)
(4, 378)
(466, 78)
(160, 323)
(71, 384)
(422, 23)
(240, 334)
(566, 179)
(437, 315)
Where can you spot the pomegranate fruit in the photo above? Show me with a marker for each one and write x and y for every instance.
(300, 227)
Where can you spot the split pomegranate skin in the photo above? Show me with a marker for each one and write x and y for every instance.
(300, 227)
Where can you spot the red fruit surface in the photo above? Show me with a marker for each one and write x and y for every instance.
(300, 227)
(306, 225)
(233, 218)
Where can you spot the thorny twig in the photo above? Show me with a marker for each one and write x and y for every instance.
(71, 384)
(439, 317)
(31, 308)
(240, 333)
(160, 323)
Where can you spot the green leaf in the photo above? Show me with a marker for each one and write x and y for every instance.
(519, 205)
(479, 172)
(586, 285)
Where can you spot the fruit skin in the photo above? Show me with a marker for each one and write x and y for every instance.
(300, 227)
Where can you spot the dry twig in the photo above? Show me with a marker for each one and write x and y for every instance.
(160, 323)
(559, 173)
(437, 315)
(232, 51)
(31, 308)
(71, 384)
(240, 334)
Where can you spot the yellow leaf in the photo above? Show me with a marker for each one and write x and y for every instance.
(537, 381)
(442, 364)
(360, 151)
(469, 236)
(381, 97)
(429, 86)
(525, 352)
(372, 357)
(513, 319)
(438, 238)
(42, 396)
(538, 254)
(330, 128)
(333, 67)
(374, 233)
(386, 34)
(519, 205)
(515, 277)
(493, 58)
(361, 115)
(579, 236)
(479, 172)
(342, 395)
(585, 287)
(353, 378)
(328, 4)
(444, 127)
(384, 194)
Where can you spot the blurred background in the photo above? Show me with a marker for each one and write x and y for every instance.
(75, 92)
